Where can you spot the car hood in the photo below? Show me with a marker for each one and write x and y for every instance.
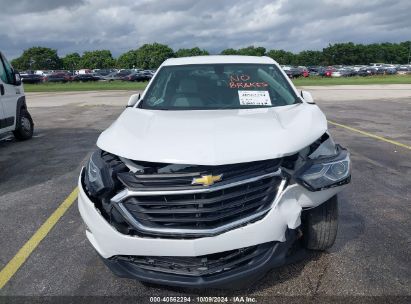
(213, 137)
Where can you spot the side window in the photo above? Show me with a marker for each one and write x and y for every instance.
(8, 70)
(3, 75)
(278, 76)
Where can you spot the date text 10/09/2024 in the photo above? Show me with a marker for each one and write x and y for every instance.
(183, 299)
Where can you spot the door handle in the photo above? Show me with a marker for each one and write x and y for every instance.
(1, 89)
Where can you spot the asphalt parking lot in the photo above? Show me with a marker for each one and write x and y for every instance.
(371, 256)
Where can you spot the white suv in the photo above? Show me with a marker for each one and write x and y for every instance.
(14, 115)
(218, 173)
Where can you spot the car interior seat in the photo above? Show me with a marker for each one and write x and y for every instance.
(187, 94)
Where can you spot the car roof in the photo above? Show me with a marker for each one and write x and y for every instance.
(215, 59)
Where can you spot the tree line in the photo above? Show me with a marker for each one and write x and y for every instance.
(150, 56)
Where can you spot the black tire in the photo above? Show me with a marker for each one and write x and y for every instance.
(320, 225)
(24, 126)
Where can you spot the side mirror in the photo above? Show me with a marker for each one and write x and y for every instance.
(133, 100)
(307, 97)
(17, 78)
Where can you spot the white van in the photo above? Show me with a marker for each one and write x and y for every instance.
(13, 109)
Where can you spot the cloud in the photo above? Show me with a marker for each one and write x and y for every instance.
(30, 6)
(214, 25)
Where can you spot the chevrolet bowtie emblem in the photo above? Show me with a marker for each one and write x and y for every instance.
(207, 180)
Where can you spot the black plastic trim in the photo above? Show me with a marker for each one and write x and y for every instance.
(182, 179)
(21, 104)
(6, 122)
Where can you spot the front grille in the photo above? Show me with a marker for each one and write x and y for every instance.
(154, 177)
(202, 211)
(161, 200)
(205, 265)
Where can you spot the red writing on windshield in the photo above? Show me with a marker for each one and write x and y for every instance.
(242, 81)
(238, 78)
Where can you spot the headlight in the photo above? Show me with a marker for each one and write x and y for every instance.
(326, 172)
(97, 177)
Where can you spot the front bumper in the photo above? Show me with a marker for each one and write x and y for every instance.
(277, 228)
(275, 255)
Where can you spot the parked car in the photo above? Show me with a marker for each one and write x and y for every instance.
(103, 72)
(135, 76)
(328, 71)
(288, 73)
(212, 175)
(316, 71)
(125, 72)
(110, 77)
(43, 73)
(337, 73)
(403, 70)
(390, 70)
(358, 67)
(347, 72)
(364, 72)
(57, 77)
(138, 76)
(372, 70)
(293, 72)
(14, 115)
(304, 71)
(380, 70)
(147, 74)
(31, 78)
(84, 71)
(85, 77)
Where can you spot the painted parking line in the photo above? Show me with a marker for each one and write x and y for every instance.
(393, 142)
(21, 256)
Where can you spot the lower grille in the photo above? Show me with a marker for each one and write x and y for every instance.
(197, 211)
(205, 265)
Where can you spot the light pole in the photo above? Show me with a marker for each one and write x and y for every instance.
(31, 61)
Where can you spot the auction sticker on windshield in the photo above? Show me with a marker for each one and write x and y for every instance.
(254, 98)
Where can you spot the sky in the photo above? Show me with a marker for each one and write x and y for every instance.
(294, 25)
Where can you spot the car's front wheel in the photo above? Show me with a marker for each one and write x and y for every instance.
(320, 225)
(24, 126)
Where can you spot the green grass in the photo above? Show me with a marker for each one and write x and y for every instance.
(84, 86)
(124, 85)
(324, 81)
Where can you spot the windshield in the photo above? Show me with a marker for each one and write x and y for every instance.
(218, 86)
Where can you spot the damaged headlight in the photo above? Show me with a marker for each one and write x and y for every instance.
(325, 172)
(97, 177)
